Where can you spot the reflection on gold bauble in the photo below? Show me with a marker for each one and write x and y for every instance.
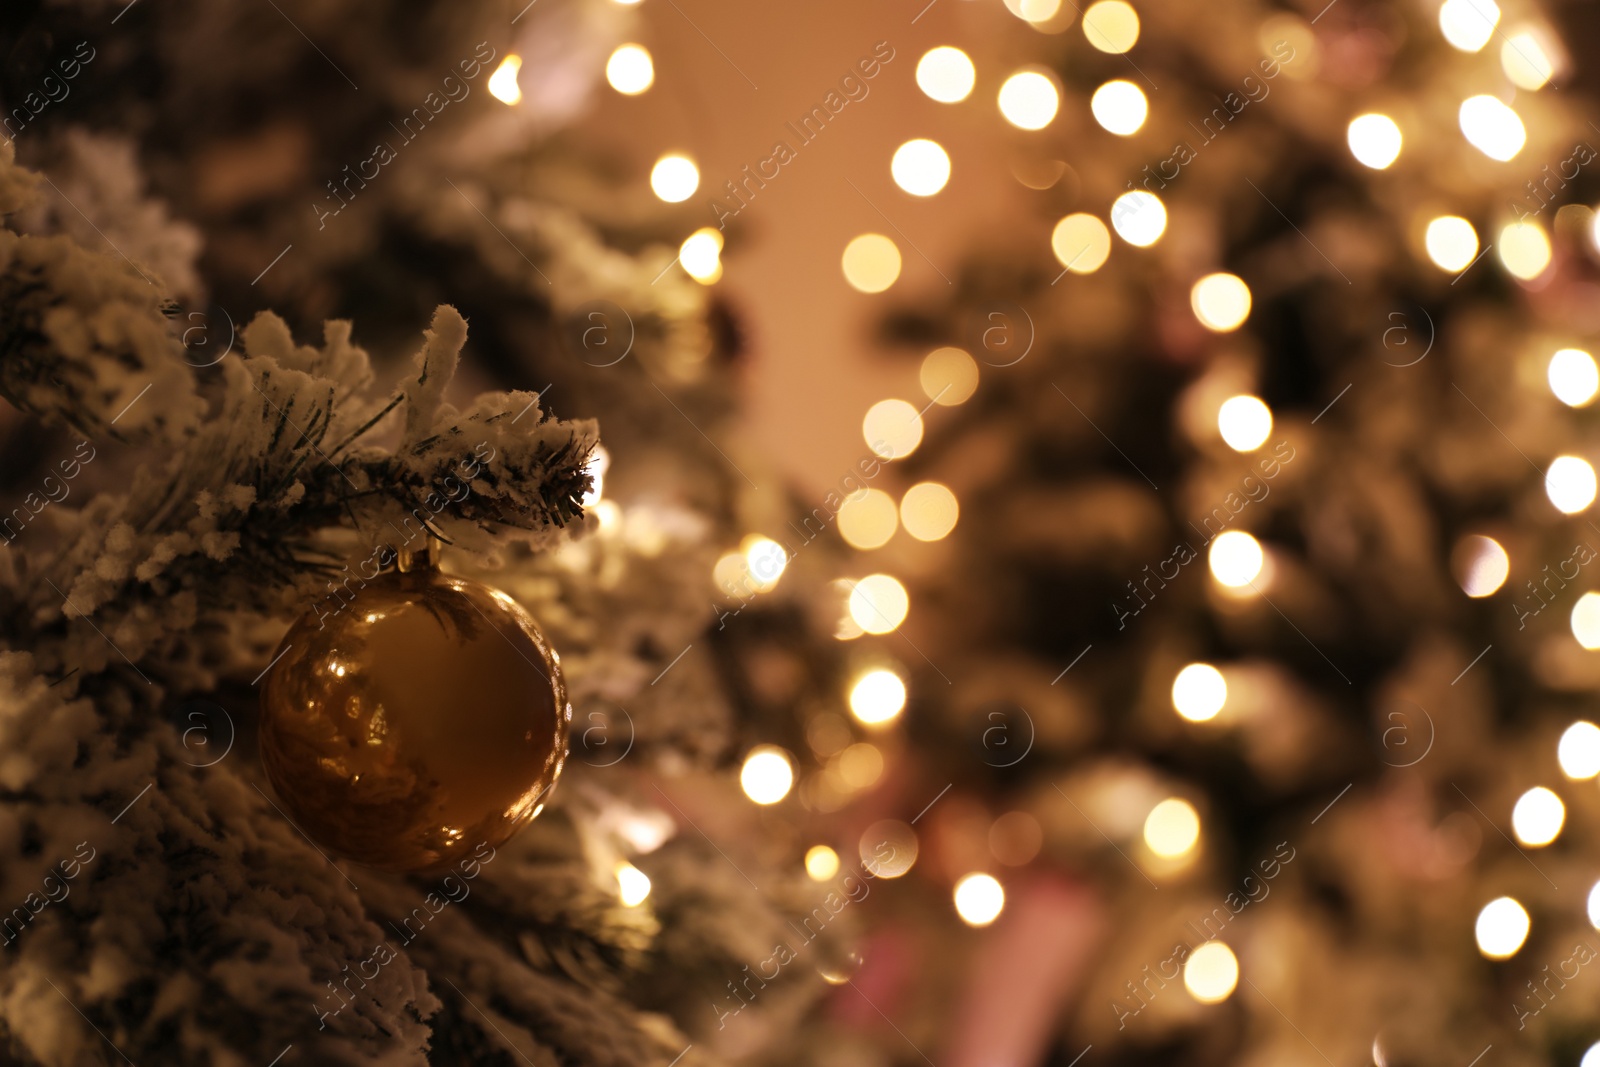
(415, 721)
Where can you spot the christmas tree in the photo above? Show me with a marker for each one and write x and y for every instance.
(1245, 546)
(287, 294)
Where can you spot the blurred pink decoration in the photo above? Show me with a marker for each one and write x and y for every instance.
(1025, 972)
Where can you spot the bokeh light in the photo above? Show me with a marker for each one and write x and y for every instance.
(1586, 621)
(1211, 973)
(888, 848)
(1375, 140)
(765, 559)
(503, 82)
(979, 899)
(701, 255)
(949, 376)
(1140, 218)
(879, 604)
(822, 863)
(633, 885)
(1570, 484)
(1537, 816)
(767, 775)
(921, 167)
(1481, 565)
(892, 428)
(1574, 377)
(1579, 751)
(929, 511)
(1491, 127)
(630, 70)
(1468, 24)
(1015, 838)
(1594, 906)
(860, 765)
(1111, 26)
(1236, 558)
(868, 519)
(1029, 100)
(1199, 692)
(1526, 61)
(1172, 828)
(1034, 11)
(1120, 107)
(1524, 249)
(1220, 301)
(877, 697)
(1081, 243)
(1245, 423)
(674, 178)
(1451, 242)
(1501, 928)
(871, 263)
(946, 74)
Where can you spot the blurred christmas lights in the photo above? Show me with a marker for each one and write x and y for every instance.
(1537, 817)
(1482, 565)
(929, 511)
(674, 178)
(868, 519)
(1244, 422)
(949, 376)
(1374, 140)
(1501, 928)
(1491, 127)
(1524, 249)
(1236, 558)
(1586, 621)
(1199, 692)
(1570, 484)
(921, 167)
(879, 604)
(1451, 242)
(1211, 972)
(1029, 100)
(822, 863)
(1172, 828)
(767, 775)
(871, 263)
(1579, 751)
(1081, 243)
(946, 74)
(630, 70)
(1120, 107)
(765, 559)
(877, 697)
(1220, 301)
(1140, 218)
(1111, 26)
(503, 82)
(633, 885)
(1574, 377)
(892, 428)
(1468, 24)
(701, 255)
(979, 899)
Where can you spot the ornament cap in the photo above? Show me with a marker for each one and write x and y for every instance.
(423, 558)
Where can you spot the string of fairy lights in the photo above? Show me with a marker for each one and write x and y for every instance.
(1030, 99)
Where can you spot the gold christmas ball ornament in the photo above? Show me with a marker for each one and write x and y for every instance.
(414, 719)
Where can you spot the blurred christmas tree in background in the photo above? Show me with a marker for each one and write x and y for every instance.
(1245, 542)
